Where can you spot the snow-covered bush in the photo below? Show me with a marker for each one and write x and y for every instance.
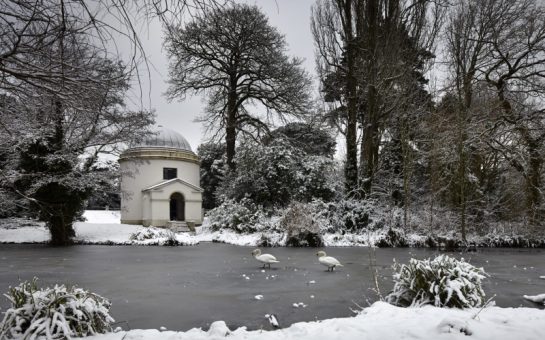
(54, 313)
(443, 282)
(316, 177)
(309, 138)
(161, 236)
(346, 215)
(300, 227)
(264, 174)
(243, 216)
(276, 174)
(394, 237)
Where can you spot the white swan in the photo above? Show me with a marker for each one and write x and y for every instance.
(328, 261)
(266, 259)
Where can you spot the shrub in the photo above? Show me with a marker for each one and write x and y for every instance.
(54, 313)
(442, 282)
(346, 215)
(276, 174)
(157, 236)
(300, 226)
(394, 237)
(242, 216)
(316, 178)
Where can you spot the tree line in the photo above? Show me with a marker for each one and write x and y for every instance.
(470, 142)
(473, 141)
(439, 105)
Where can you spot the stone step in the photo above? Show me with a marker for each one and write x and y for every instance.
(179, 226)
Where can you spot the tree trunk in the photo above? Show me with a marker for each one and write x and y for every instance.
(461, 171)
(533, 181)
(231, 124)
(407, 170)
(351, 167)
(434, 167)
(370, 143)
(60, 226)
(58, 139)
(463, 112)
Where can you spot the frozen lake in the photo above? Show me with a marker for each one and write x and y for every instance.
(185, 287)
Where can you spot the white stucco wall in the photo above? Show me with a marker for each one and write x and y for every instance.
(139, 175)
(146, 208)
(160, 206)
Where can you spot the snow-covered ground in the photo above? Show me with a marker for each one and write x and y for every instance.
(13, 232)
(100, 227)
(104, 227)
(108, 230)
(381, 321)
(102, 216)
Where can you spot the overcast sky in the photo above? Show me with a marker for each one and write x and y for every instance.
(290, 17)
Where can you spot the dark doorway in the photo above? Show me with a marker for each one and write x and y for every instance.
(177, 207)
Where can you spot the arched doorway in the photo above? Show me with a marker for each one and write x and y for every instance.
(177, 207)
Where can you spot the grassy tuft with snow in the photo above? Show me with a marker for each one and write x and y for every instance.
(54, 313)
(443, 282)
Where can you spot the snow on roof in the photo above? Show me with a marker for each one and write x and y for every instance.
(170, 181)
(166, 138)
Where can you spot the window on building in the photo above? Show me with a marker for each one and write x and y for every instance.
(170, 173)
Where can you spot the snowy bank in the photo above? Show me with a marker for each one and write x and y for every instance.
(104, 227)
(380, 321)
(101, 227)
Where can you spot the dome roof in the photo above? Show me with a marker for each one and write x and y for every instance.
(164, 138)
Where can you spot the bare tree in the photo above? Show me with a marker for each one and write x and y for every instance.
(29, 28)
(516, 70)
(467, 31)
(239, 61)
(502, 44)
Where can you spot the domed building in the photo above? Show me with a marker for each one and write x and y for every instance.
(160, 182)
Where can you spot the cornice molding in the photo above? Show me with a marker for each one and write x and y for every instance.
(159, 153)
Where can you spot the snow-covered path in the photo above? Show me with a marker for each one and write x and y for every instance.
(381, 321)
